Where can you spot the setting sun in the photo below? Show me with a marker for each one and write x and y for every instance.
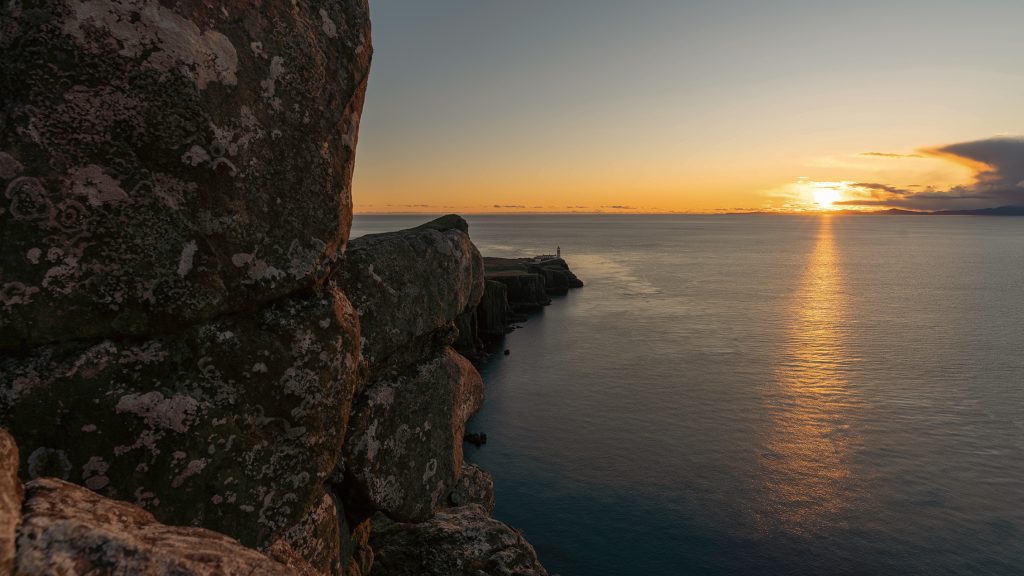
(826, 197)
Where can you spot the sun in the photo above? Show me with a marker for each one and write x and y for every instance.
(826, 197)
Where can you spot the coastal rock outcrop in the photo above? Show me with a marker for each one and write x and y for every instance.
(185, 345)
(165, 163)
(531, 282)
(461, 541)
(70, 530)
(513, 287)
(525, 291)
(174, 192)
(494, 313)
(403, 450)
(558, 278)
(403, 453)
(475, 486)
(409, 287)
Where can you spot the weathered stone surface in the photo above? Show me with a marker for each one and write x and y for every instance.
(494, 313)
(475, 486)
(360, 554)
(280, 551)
(468, 341)
(410, 284)
(165, 162)
(318, 536)
(11, 494)
(462, 541)
(232, 425)
(403, 451)
(71, 531)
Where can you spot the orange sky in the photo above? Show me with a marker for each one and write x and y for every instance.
(682, 107)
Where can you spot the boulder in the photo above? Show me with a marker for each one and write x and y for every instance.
(164, 163)
(318, 538)
(410, 284)
(71, 531)
(232, 425)
(462, 541)
(403, 450)
(11, 495)
(475, 486)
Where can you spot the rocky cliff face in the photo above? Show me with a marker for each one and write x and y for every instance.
(185, 344)
(530, 282)
(513, 287)
(165, 163)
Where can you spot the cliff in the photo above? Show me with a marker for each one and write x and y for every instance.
(202, 374)
(512, 288)
(531, 281)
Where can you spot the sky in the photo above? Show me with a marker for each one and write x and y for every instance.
(480, 106)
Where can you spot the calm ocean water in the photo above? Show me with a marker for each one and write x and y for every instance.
(763, 395)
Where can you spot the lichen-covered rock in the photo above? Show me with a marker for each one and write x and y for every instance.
(318, 537)
(358, 551)
(475, 486)
(462, 541)
(232, 425)
(71, 531)
(403, 450)
(166, 162)
(281, 551)
(409, 284)
(10, 500)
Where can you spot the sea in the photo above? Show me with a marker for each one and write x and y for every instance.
(762, 395)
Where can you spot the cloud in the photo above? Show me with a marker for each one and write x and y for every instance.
(998, 165)
(891, 155)
(509, 206)
(877, 189)
(620, 207)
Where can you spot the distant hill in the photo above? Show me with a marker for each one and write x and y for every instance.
(998, 211)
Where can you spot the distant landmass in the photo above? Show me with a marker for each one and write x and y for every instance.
(998, 211)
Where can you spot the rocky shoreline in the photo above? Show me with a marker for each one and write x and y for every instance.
(199, 373)
(513, 288)
(400, 499)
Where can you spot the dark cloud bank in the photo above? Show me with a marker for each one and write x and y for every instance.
(999, 180)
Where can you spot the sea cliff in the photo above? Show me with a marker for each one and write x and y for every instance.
(199, 373)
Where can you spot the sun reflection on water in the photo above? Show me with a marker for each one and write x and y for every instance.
(807, 456)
